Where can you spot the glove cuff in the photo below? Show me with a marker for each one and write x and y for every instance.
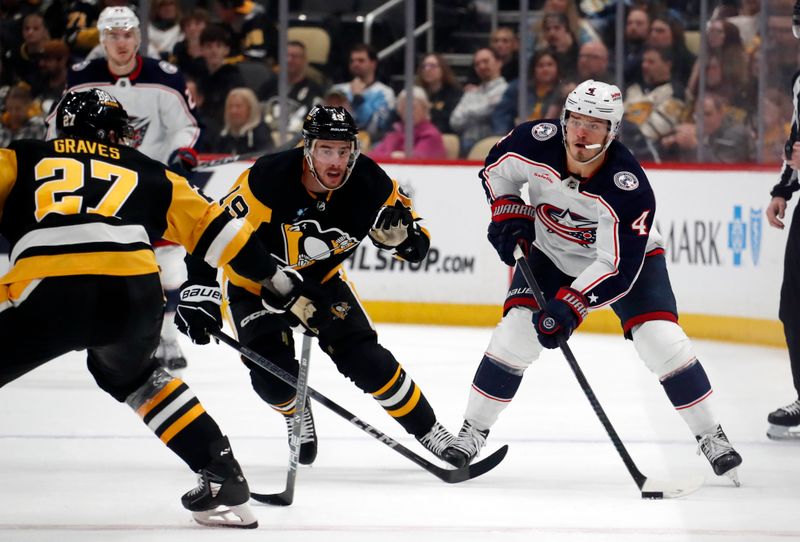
(576, 301)
(511, 207)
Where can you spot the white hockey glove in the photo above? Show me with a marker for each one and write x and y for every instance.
(392, 226)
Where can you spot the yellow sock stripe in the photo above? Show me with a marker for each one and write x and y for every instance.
(390, 384)
(181, 422)
(281, 407)
(409, 406)
(143, 410)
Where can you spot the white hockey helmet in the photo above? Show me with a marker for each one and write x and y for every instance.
(117, 17)
(595, 99)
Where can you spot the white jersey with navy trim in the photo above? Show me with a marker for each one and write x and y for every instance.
(597, 230)
(155, 97)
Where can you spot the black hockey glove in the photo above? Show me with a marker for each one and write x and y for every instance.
(198, 312)
(299, 300)
(560, 316)
(512, 224)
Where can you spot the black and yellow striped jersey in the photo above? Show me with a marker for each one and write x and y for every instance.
(74, 207)
(313, 233)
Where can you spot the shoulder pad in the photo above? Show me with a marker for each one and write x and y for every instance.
(167, 67)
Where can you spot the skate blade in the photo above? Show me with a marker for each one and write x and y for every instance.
(733, 474)
(783, 432)
(669, 489)
(238, 517)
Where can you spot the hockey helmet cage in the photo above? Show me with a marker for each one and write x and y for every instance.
(330, 123)
(93, 114)
(121, 17)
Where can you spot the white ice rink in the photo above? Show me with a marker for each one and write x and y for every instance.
(77, 466)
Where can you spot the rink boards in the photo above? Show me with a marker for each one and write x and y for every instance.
(725, 261)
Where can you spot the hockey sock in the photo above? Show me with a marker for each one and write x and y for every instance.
(493, 387)
(404, 401)
(688, 391)
(172, 411)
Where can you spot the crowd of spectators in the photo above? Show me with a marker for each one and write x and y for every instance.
(227, 54)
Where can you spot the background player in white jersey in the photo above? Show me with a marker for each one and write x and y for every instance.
(590, 242)
(162, 115)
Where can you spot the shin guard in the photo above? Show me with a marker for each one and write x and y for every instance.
(689, 390)
(404, 401)
(493, 387)
(172, 411)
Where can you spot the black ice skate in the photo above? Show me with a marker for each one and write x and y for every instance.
(784, 423)
(308, 436)
(220, 498)
(169, 354)
(437, 440)
(466, 445)
(719, 452)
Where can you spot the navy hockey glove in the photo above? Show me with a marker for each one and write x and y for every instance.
(198, 312)
(512, 224)
(560, 316)
(287, 293)
(183, 161)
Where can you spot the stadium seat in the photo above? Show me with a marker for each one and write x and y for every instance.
(480, 149)
(451, 145)
(315, 38)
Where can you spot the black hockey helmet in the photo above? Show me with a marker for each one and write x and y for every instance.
(330, 123)
(93, 114)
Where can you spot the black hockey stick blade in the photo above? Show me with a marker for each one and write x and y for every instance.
(451, 476)
(286, 497)
(650, 489)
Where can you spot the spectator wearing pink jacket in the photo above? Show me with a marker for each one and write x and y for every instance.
(428, 142)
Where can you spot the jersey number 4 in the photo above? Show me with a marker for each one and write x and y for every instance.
(640, 224)
(64, 176)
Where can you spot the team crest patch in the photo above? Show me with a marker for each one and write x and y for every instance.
(543, 131)
(167, 67)
(626, 180)
(340, 309)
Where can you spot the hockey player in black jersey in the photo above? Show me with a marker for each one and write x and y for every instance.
(311, 207)
(80, 212)
(165, 128)
(591, 243)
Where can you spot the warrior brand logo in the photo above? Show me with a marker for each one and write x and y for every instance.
(544, 131)
(626, 180)
(306, 242)
(516, 209)
(568, 225)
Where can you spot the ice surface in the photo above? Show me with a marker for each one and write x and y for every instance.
(77, 466)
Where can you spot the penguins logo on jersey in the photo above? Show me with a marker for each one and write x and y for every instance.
(626, 180)
(544, 131)
(567, 225)
(306, 242)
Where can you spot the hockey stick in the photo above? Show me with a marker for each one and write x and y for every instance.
(651, 489)
(451, 476)
(286, 497)
(249, 155)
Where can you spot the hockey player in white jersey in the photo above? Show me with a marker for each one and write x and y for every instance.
(591, 242)
(161, 110)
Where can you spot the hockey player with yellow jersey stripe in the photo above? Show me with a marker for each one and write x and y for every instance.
(311, 207)
(80, 212)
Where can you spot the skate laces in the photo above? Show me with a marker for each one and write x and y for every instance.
(307, 426)
(470, 439)
(714, 445)
(793, 409)
(437, 439)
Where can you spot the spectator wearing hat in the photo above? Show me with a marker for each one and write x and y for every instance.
(254, 35)
(53, 70)
(428, 142)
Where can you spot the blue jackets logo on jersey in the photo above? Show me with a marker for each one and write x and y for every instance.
(543, 131)
(568, 225)
(626, 180)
